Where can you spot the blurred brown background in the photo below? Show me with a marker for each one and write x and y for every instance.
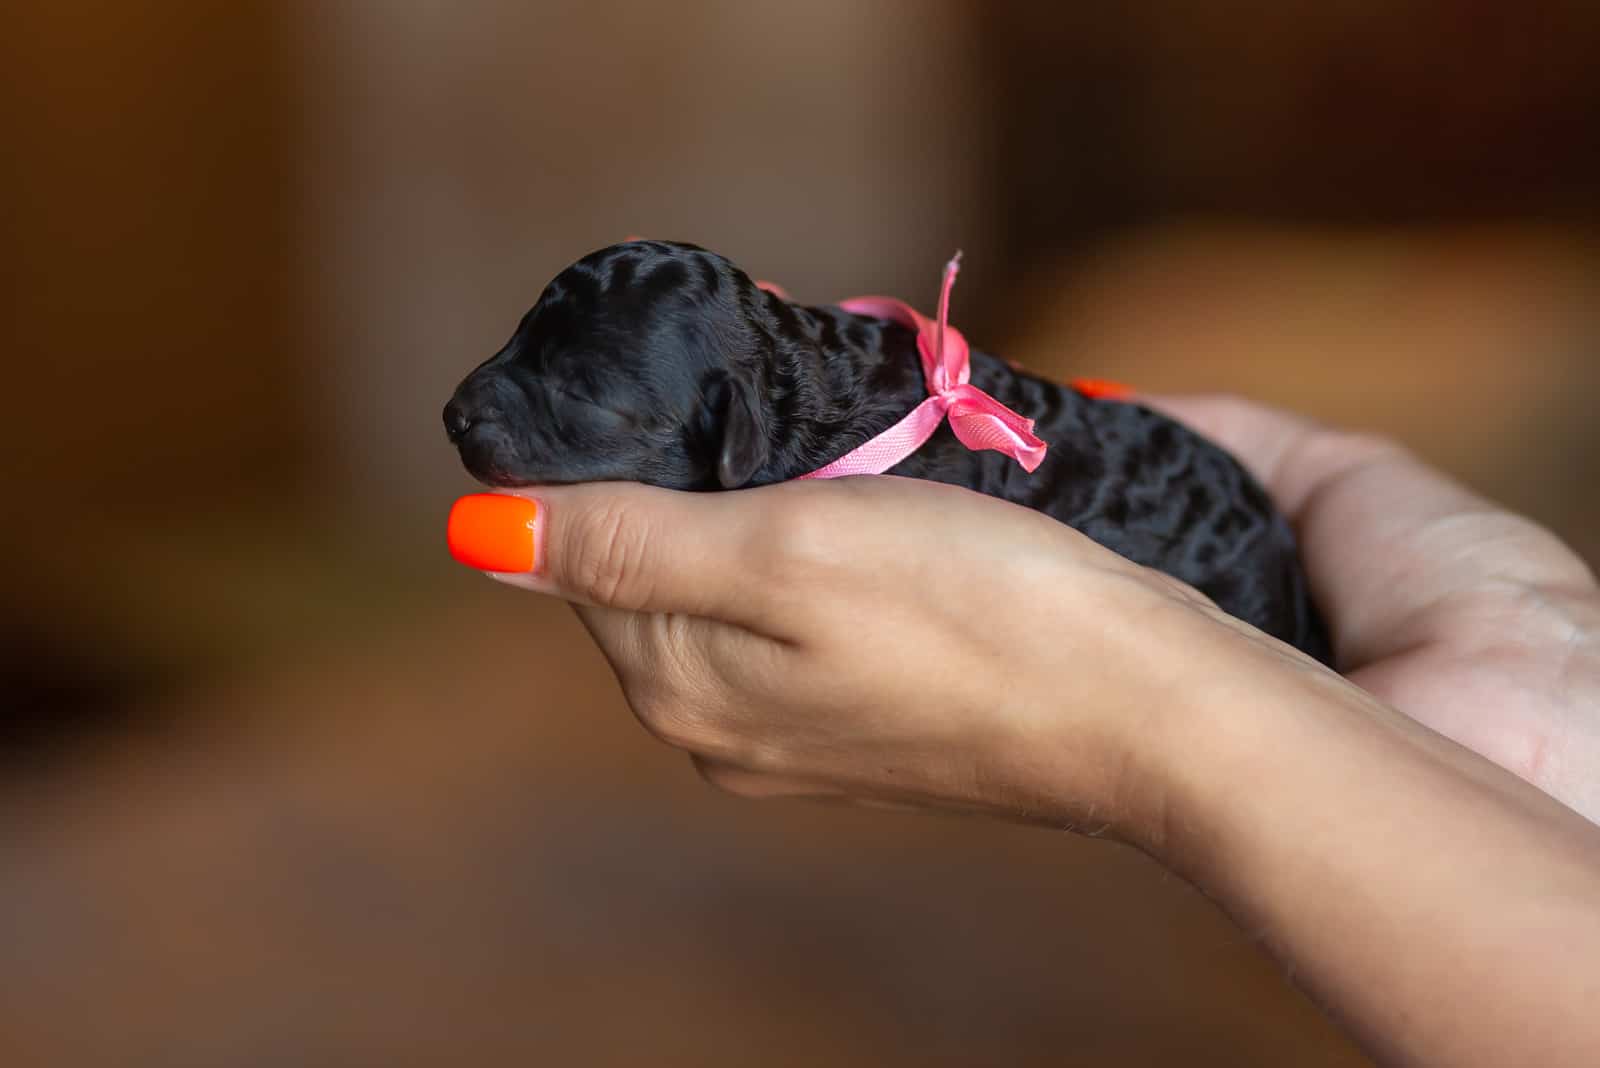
(284, 786)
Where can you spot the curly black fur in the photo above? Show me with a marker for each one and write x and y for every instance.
(664, 363)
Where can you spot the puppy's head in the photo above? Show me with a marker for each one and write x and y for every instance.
(642, 362)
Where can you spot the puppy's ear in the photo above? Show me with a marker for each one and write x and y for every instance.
(745, 448)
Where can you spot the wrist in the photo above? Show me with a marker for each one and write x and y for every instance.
(1245, 720)
(1120, 743)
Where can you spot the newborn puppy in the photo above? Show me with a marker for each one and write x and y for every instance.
(664, 363)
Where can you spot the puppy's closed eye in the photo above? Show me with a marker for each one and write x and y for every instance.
(590, 424)
(581, 399)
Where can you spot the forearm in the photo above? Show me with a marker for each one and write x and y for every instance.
(1442, 909)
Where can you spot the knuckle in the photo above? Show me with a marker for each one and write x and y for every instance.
(676, 688)
(799, 537)
(1340, 453)
(1229, 408)
(673, 717)
(732, 777)
(607, 548)
(721, 776)
(1365, 444)
(1228, 402)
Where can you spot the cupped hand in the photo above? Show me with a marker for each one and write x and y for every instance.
(894, 642)
(890, 641)
(897, 642)
(1471, 620)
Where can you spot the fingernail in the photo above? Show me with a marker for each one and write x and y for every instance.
(495, 532)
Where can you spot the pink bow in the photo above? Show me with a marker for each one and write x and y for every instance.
(979, 421)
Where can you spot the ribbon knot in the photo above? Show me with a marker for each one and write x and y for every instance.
(978, 420)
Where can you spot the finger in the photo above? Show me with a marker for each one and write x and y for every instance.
(617, 633)
(1304, 466)
(677, 650)
(1383, 536)
(742, 782)
(693, 683)
(1290, 455)
(618, 545)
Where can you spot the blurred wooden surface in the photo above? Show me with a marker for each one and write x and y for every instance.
(455, 846)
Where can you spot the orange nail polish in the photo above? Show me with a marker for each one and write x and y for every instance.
(494, 532)
(1102, 388)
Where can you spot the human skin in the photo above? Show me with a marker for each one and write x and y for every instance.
(1409, 840)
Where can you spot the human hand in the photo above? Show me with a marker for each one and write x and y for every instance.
(890, 641)
(1471, 620)
(887, 641)
(740, 625)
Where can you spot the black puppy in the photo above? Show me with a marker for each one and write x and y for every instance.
(663, 363)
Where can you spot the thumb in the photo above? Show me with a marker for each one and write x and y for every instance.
(617, 545)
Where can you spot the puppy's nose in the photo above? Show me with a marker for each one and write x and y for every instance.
(456, 421)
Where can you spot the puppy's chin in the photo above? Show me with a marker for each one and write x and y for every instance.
(507, 477)
(492, 458)
(496, 462)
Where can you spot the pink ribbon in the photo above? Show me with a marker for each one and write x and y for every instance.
(979, 421)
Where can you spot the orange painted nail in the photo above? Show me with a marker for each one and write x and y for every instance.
(494, 532)
(1102, 388)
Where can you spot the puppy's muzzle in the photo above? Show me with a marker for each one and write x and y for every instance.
(481, 420)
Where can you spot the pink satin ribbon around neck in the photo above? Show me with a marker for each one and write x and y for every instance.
(979, 421)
